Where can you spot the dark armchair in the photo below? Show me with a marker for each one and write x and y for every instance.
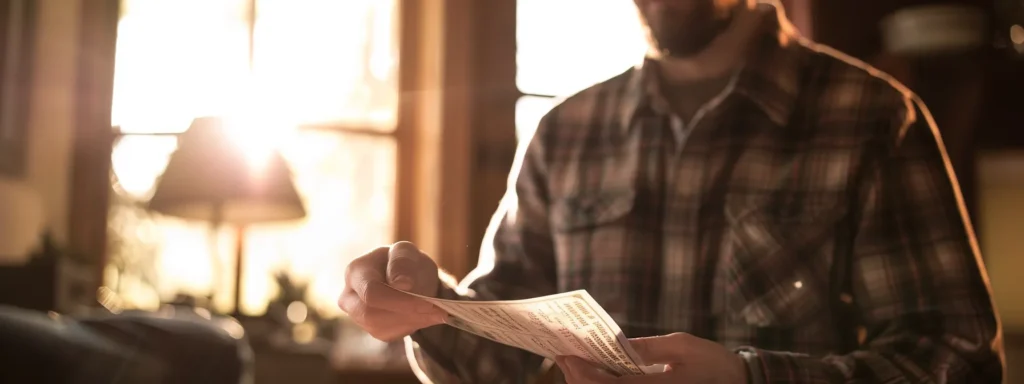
(127, 348)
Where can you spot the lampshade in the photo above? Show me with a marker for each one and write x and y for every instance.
(210, 178)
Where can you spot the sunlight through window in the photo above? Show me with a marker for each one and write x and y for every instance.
(177, 60)
(565, 46)
(328, 61)
(322, 63)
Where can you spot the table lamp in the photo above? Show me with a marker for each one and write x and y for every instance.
(210, 178)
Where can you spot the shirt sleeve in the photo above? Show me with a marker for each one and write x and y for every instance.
(918, 284)
(516, 262)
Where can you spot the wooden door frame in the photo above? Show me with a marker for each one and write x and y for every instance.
(93, 139)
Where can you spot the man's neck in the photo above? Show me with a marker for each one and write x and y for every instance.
(723, 55)
(687, 83)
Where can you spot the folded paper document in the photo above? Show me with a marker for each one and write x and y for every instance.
(564, 324)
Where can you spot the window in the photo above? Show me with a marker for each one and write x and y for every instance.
(315, 78)
(567, 45)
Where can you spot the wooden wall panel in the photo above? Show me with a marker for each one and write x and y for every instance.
(93, 141)
(493, 105)
(437, 85)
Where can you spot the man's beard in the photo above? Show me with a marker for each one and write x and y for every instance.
(678, 35)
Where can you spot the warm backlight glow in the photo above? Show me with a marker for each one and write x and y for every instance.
(348, 186)
(605, 38)
(177, 60)
(564, 46)
(327, 60)
(319, 62)
(258, 134)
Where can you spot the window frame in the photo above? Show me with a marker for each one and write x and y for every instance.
(435, 147)
(351, 130)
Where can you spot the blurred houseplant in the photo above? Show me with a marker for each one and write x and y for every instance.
(295, 319)
(133, 245)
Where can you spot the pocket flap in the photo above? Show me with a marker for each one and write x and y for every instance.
(592, 209)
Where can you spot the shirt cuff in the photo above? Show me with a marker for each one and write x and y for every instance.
(755, 375)
(784, 367)
(433, 341)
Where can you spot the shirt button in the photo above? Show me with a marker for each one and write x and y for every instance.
(798, 284)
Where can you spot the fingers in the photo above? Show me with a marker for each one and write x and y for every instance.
(383, 324)
(383, 311)
(368, 267)
(579, 371)
(667, 349)
(365, 278)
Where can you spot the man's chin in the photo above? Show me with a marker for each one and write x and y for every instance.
(682, 50)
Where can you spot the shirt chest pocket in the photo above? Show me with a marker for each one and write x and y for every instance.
(591, 235)
(776, 262)
(592, 211)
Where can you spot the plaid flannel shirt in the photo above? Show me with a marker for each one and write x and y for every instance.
(807, 215)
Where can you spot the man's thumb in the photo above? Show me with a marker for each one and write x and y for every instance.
(402, 283)
(402, 263)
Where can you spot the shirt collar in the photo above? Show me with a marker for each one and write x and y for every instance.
(770, 78)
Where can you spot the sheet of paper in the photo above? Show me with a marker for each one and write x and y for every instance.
(564, 324)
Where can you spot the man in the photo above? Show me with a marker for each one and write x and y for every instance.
(763, 209)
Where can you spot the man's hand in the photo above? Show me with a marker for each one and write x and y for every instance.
(687, 359)
(380, 310)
